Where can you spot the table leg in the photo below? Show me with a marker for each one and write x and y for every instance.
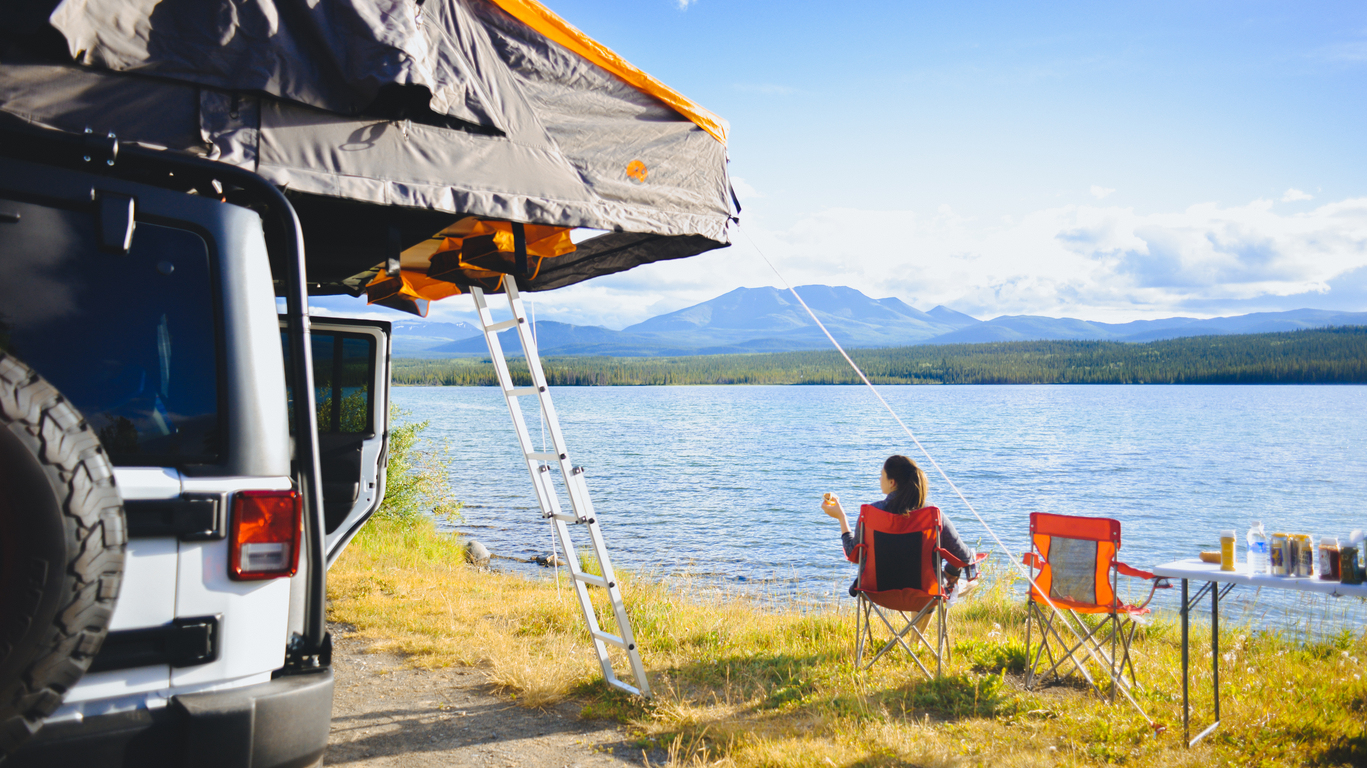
(1215, 648)
(1186, 704)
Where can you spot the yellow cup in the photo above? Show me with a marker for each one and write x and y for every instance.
(1227, 550)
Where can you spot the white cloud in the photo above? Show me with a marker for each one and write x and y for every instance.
(1100, 192)
(1293, 195)
(683, 4)
(743, 190)
(1095, 262)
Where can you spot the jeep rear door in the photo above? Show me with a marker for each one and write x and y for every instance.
(351, 395)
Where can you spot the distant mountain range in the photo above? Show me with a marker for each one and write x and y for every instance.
(414, 337)
(771, 320)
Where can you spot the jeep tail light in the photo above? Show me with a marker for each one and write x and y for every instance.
(263, 538)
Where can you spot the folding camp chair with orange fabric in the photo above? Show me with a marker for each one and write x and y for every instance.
(899, 560)
(1073, 561)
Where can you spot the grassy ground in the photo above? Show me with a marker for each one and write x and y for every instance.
(744, 684)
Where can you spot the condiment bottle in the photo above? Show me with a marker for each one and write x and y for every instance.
(1257, 549)
(1278, 554)
(1329, 558)
(1227, 550)
(1351, 560)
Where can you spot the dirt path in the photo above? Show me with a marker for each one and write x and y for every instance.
(385, 714)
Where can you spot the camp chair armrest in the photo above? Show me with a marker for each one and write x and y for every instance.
(956, 562)
(1130, 571)
(858, 555)
(1033, 560)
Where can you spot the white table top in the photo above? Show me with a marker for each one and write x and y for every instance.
(1195, 569)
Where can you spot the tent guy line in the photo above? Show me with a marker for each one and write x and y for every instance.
(1020, 567)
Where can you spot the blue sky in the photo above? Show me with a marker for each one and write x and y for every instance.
(1103, 161)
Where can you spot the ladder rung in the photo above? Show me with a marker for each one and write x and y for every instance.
(588, 578)
(496, 327)
(565, 518)
(546, 456)
(619, 684)
(523, 391)
(612, 640)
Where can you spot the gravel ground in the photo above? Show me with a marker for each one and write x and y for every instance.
(386, 714)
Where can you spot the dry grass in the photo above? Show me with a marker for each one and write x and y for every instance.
(743, 684)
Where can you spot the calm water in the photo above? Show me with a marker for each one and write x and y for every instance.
(725, 482)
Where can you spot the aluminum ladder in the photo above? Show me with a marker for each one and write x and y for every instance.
(539, 466)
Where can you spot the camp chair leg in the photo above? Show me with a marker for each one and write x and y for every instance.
(897, 637)
(1043, 645)
(1127, 661)
(1115, 627)
(1044, 630)
(861, 629)
(1093, 641)
(939, 638)
(915, 625)
(1069, 653)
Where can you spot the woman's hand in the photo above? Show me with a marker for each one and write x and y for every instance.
(830, 504)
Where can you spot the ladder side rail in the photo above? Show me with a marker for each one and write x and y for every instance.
(546, 486)
(581, 591)
(545, 490)
(577, 490)
(496, 356)
(582, 509)
(619, 609)
(546, 497)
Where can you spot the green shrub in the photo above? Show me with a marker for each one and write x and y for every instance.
(416, 485)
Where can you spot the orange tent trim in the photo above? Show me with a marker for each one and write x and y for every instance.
(543, 20)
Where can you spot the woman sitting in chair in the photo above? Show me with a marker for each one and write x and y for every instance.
(905, 486)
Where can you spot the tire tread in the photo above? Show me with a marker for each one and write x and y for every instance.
(95, 531)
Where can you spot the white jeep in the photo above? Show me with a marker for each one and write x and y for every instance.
(178, 462)
(154, 488)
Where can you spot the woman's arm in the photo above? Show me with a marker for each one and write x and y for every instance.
(954, 545)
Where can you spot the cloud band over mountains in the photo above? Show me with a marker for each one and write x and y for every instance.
(1105, 263)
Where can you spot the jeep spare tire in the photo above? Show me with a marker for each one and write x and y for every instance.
(62, 541)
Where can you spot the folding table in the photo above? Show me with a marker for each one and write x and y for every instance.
(1218, 584)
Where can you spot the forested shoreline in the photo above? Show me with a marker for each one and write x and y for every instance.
(1319, 356)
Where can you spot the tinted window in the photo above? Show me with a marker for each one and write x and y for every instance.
(129, 339)
(342, 375)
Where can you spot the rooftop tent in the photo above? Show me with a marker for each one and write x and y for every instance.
(422, 135)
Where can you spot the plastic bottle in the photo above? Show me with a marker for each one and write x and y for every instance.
(1257, 549)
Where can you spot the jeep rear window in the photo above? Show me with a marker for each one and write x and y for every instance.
(129, 339)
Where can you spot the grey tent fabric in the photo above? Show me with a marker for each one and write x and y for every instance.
(441, 107)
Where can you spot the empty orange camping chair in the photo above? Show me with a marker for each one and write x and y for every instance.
(1073, 561)
(900, 573)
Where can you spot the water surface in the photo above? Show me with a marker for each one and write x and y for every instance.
(724, 482)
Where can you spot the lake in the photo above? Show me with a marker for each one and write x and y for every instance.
(724, 483)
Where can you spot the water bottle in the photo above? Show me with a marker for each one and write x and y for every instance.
(1257, 550)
